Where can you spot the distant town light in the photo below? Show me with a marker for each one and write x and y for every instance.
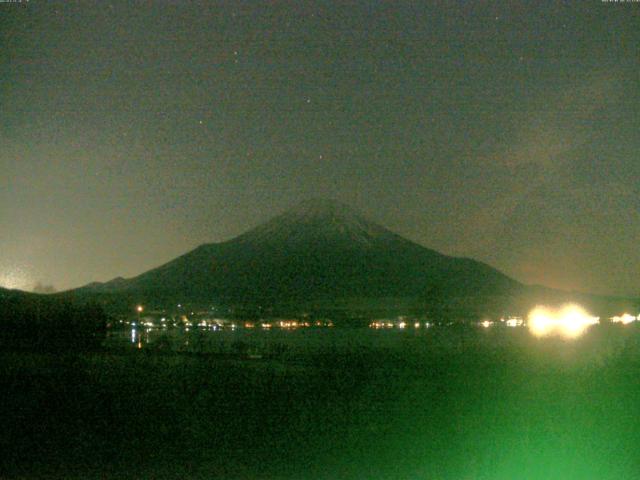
(513, 321)
(570, 321)
(139, 308)
(625, 319)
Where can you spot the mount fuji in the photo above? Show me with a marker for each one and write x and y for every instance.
(320, 251)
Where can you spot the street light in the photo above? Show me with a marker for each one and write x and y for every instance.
(139, 310)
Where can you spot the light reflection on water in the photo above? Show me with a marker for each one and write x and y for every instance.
(256, 340)
(293, 343)
(290, 344)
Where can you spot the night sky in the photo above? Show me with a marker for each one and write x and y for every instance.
(508, 132)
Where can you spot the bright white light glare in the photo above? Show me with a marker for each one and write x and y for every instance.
(570, 321)
(625, 319)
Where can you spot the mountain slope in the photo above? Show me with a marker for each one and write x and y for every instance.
(319, 250)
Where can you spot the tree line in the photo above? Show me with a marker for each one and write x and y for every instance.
(42, 323)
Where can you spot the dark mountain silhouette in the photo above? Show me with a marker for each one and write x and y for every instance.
(319, 251)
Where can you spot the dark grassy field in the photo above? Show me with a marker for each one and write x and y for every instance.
(450, 404)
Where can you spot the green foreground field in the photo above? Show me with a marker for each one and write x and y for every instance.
(463, 404)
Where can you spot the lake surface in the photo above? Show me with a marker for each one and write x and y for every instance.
(308, 340)
(598, 344)
(327, 403)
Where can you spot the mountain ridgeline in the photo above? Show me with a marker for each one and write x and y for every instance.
(320, 252)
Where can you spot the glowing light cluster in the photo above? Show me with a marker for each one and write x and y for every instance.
(625, 319)
(570, 321)
(513, 321)
(401, 324)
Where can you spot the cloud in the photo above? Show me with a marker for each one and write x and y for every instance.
(565, 195)
(554, 134)
(560, 122)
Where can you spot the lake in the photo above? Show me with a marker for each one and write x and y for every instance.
(327, 403)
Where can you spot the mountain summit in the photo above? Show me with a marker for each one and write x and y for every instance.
(320, 251)
(318, 222)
